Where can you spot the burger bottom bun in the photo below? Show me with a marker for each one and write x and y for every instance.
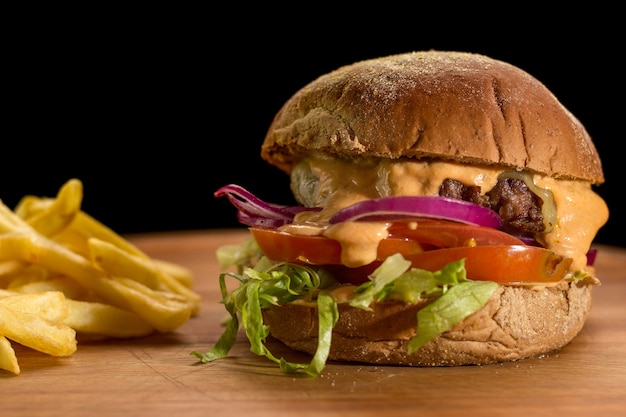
(516, 323)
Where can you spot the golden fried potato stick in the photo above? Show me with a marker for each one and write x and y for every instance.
(25, 274)
(34, 320)
(69, 287)
(76, 234)
(56, 339)
(178, 272)
(10, 222)
(113, 260)
(117, 262)
(50, 216)
(163, 313)
(63, 219)
(10, 268)
(102, 253)
(8, 360)
(49, 305)
(84, 227)
(97, 319)
(54, 234)
(62, 272)
(6, 293)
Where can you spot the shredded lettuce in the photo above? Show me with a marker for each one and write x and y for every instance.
(261, 287)
(240, 254)
(459, 302)
(452, 297)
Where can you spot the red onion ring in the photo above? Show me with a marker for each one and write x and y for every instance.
(591, 256)
(407, 207)
(253, 211)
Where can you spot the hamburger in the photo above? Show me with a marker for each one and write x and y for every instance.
(445, 215)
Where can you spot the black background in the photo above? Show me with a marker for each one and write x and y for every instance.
(155, 109)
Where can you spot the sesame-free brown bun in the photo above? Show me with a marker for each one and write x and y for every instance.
(455, 106)
(516, 323)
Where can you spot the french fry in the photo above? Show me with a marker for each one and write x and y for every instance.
(74, 227)
(48, 305)
(10, 222)
(11, 267)
(116, 262)
(67, 286)
(34, 320)
(55, 216)
(27, 273)
(179, 273)
(55, 339)
(27, 246)
(62, 272)
(113, 260)
(104, 320)
(8, 271)
(7, 293)
(164, 313)
(84, 227)
(8, 360)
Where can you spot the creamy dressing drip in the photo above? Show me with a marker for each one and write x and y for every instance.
(359, 240)
(581, 212)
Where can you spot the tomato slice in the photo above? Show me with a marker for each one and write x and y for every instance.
(505, 264)
(491, 256)
(515, 264)
(447, 234)
(320, 250)
(428, 234)
(287, 247)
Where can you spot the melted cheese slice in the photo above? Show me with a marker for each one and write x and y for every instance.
(580, 211)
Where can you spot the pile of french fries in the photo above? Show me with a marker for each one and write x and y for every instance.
(64, 275)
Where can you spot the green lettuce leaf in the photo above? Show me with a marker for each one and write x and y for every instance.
(459, 302)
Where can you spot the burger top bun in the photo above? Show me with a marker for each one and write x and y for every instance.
(455, 106)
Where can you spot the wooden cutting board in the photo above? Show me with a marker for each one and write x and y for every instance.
(156, 376)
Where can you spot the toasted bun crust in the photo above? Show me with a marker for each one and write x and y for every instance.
(516, 323)
(447, 105)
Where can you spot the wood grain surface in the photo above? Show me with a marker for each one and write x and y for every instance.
(156, 375)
